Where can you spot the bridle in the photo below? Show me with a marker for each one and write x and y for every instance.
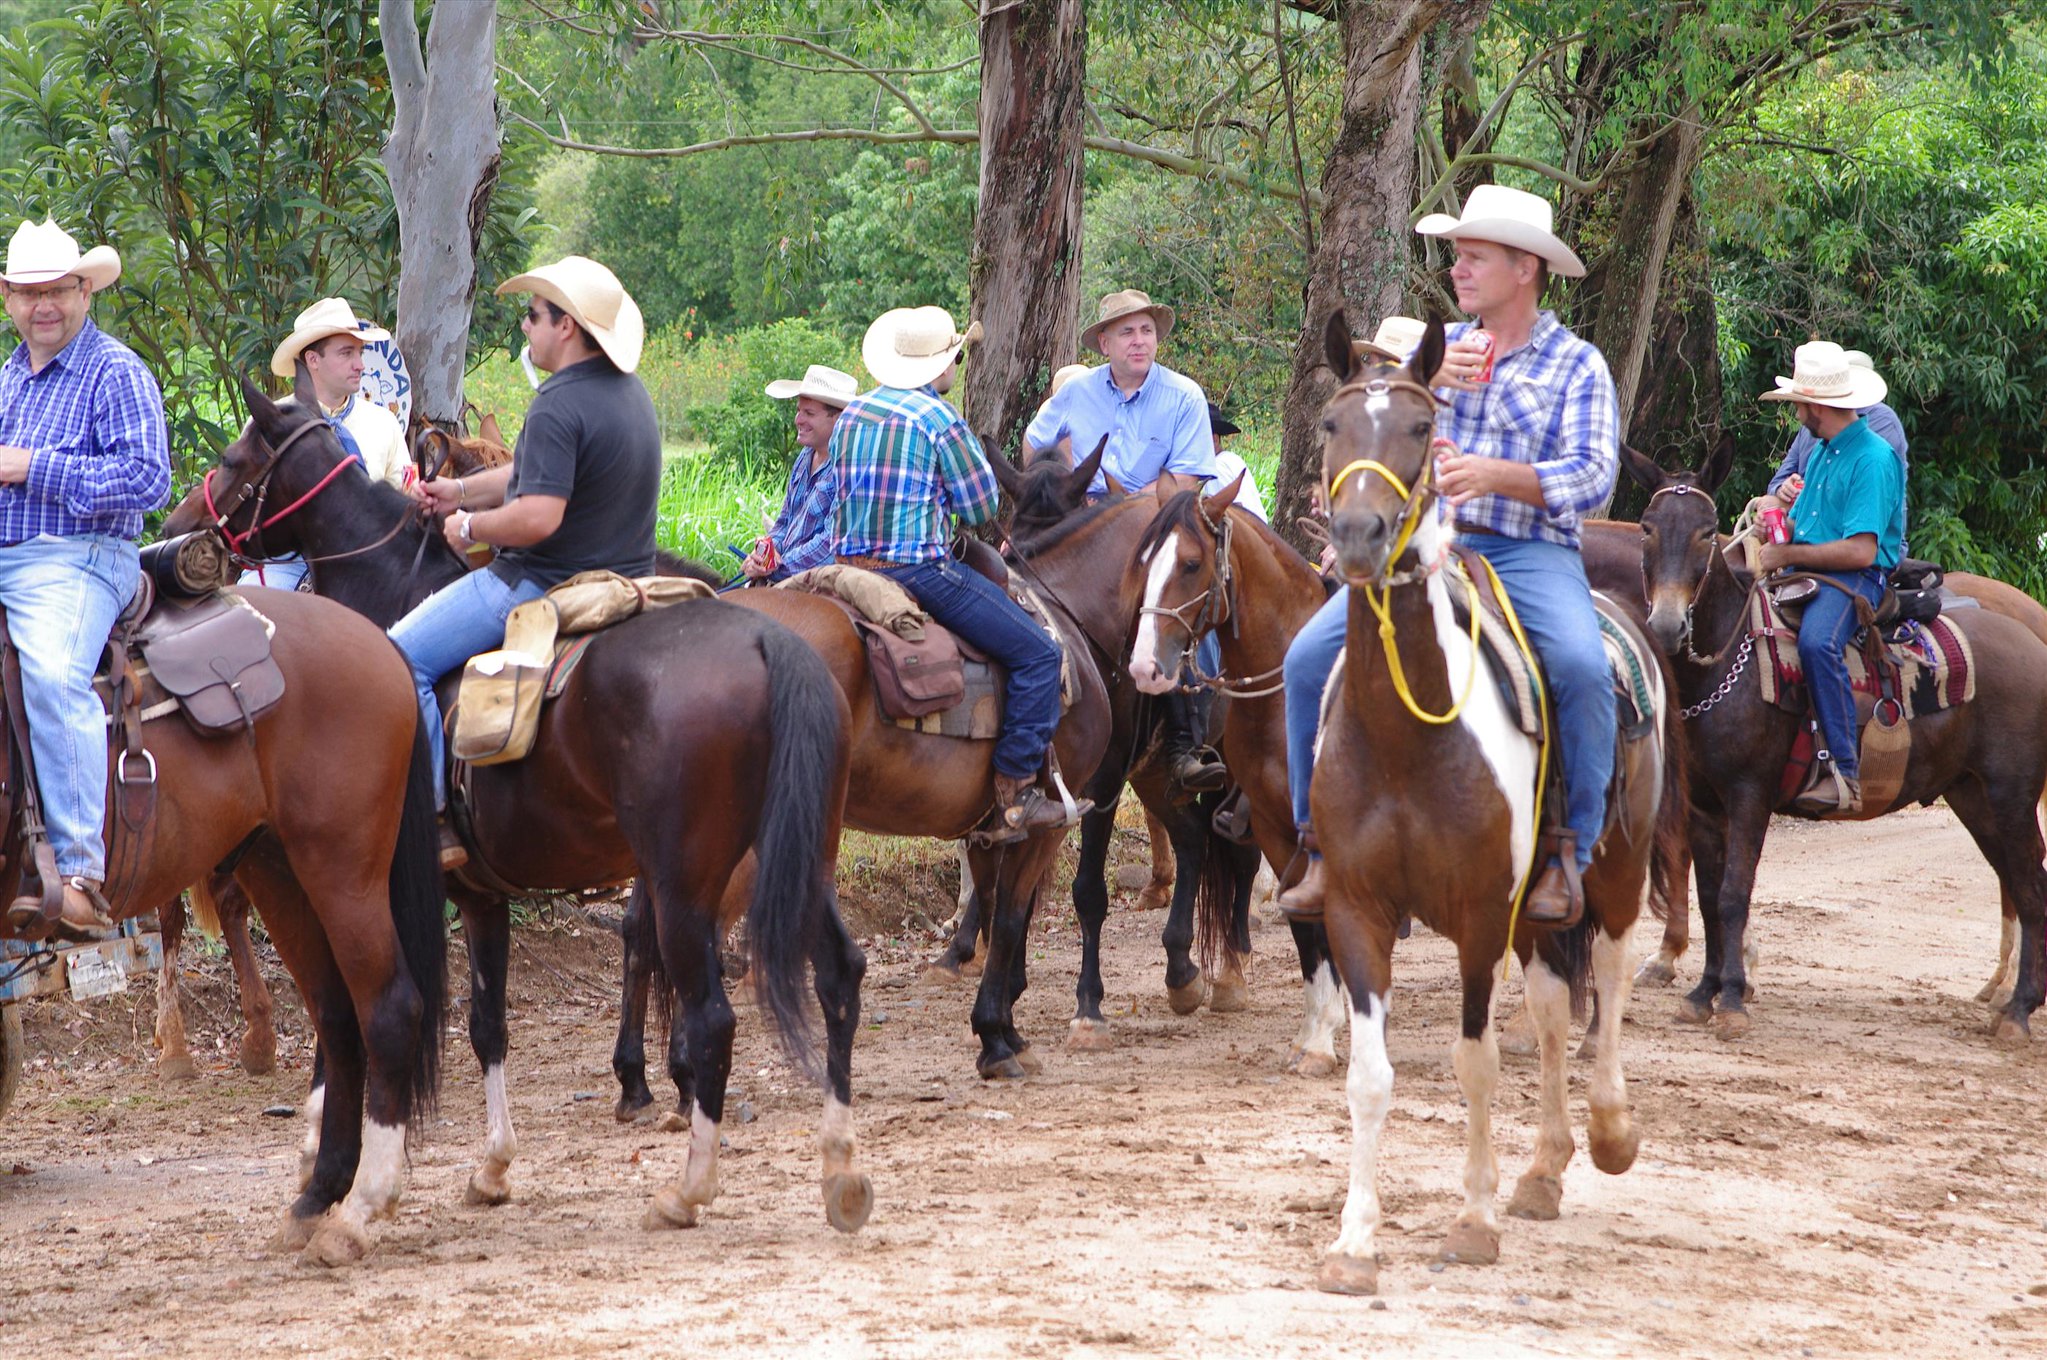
(257, 488)
(1699, 590)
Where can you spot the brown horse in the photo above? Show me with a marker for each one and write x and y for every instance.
(1436, 819)
(325, 809)
(685, 737)
(1987, 758)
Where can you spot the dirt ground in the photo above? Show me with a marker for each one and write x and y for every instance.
(1865, 1175)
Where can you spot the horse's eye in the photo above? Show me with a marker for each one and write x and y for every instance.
(1423, 428)
(1328, 426)
(1189, 568)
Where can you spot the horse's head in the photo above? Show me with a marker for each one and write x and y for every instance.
(1680, 537)
(284, 453)
(1045, 491)
(1377, 468)
(1184, 557)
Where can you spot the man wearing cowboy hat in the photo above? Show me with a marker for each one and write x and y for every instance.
(1789, 478)
(84, 455)
(802, 534)
(1156, 420)
(579, 494)
(907, 463)
(1230, 466)
(1848, 524)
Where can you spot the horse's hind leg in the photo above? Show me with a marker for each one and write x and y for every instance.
(1677, 922)
(487, 926)
(839, 966)
(231, 909)
(1997, 992)
(629, 1054)
(1322, 1005)
(688, 927)
(1228, 991)
(2006, 830)
(1088, 1031)
(1540, 1191)
(174, 1058)
(1612, 1136)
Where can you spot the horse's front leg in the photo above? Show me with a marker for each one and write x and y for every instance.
(174, 1056)
(1613, 1138)
(488, 929)
(1362, 951)
(1089, 1030)
(1474, 1239)
(1539, 1193)
(1748, 822)
(1708, 835)
(1186, 988)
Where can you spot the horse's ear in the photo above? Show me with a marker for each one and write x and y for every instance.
(1428, 355)
(1113, 486)
(1642, 468)
(1214, 506)
(1084, 474)
(1006, 473)
(302, 390)
(261, 409)
(1336, 346)
(1718, 463)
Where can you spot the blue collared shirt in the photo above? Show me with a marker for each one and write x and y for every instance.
(1161, 427)
(1550, 404)
(803, 531)
(93, 420)
(907, 463)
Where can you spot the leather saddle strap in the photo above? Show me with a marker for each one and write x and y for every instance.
(34, 836)
(131, 786)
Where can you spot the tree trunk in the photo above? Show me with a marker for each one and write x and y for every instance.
(1025, 270)
(443, 163)
(1362, 257)
(1676, 416)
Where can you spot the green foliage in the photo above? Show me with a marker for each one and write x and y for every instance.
(904, 233)
(749, 430)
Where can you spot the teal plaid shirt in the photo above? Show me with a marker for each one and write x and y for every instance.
(907, 463)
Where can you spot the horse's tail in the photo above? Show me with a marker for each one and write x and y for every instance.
(805, 790)
(1670, 856)
(205, 899)
(1224, 876)
(418, 910)
(1568, 952)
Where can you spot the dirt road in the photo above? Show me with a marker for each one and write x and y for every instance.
(1865, 1175)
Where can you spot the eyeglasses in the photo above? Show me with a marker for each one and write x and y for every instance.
(46, 293)
(540, 314)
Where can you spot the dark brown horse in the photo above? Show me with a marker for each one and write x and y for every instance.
(326, 811)
(1987, 758)
(686, 737)
(1427, 795)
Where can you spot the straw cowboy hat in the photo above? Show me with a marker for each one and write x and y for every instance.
(1395, 339)
(328, 316)
(1129, 302)
(911, 346)
(47, 253)
(592, 294)
(1824, 374)
(1508, 217)
(819, 383)
(1064, 376)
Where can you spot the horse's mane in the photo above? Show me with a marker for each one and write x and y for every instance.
(1181, 511)
(1060, 530)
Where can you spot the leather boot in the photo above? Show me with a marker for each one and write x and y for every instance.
(1303, 902)
(1189, 763)
(1021, 808)
(85, 914)
(454, 854)
(1557, 897)
(1828, 792)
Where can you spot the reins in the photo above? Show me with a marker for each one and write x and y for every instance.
(258, 488)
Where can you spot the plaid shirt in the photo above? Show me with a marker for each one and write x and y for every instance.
(93, 419)
(1550, 404)
(906, 462)
(803, 531)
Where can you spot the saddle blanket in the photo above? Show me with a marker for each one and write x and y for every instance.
(1936, 668)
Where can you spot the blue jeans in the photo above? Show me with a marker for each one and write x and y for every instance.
(1823, 634)
(1310, 657)
(62, 597)
(443, 631)
(976, 609)
(278, 573)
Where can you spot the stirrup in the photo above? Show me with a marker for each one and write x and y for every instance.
(1828, 792)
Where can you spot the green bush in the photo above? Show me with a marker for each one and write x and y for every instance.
(749, 431)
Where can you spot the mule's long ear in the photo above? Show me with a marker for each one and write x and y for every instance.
(1428, 355)
(1718, 463)
(1084, 473)
(1214, 506)
(261, 409)
(1336, 346)
(1643, 469)
(1006, 473)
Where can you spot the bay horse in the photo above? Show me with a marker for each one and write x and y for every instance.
(1987, 758)
(687, 736)
(1437, 819)
(325, 810)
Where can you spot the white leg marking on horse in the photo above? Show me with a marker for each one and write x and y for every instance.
(1549, 1005)
(700, 1176)
(2005, 977)
(1370, 1089)
(835, 1136)
(966, 898)
(1322, 1010)
(1145, 650)
(1478, 1071)
(501, 1145)
(380, 1174)
(1613, 1135)
(316, 1106)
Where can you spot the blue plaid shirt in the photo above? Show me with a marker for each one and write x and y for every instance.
(1551, 404)
(907, 462)
(93, 419)
(803, 531)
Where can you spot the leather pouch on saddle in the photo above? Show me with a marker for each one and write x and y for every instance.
(213, 655)
(917, 667)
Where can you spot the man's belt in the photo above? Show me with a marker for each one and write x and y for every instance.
(867, 563)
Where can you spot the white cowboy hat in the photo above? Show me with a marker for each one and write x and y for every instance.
(592, 294)
(819, 383)
(1824, 374)
(1396, 338)
(1129, 302)
(47, 253)
(911, 346)
(1508, 217)
(328, 316)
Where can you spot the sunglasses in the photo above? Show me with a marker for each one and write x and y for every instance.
(541, 314)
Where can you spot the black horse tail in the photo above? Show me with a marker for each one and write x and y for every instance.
(804, 794)
(1224, 877)
(418, 910)
(1670, 857)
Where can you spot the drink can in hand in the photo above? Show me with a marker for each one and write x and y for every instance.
(1485, 369)
(1776, 525)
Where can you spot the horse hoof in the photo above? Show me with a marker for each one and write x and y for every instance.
(1588, 1048)
(671, 1122)
(1471, 1244)
(971, 968)
(1615, 1153)
(179, 1068)
(1229, 996)
(1748, 992)
(1536, 1197)
(1005, 1069)
(259, 1059)
(1348, 1275)
(1655, 972)
(1313, 1066)
(1154, 898)
(337, 1243)
(1089, 1036)
(292, 1235)
(848, 1200)
(1728, 1026)
(1187, 999)
(669, 1210)
(633, 1109)
(2009, 1031)
(1690, 1012)
(940, 973)
(1518, 1042)
(1027, 1058)
(489, 1187)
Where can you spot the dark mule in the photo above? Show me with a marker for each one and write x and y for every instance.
(1437, 819)
(1988, 758)
(325, 810)
(685, 737)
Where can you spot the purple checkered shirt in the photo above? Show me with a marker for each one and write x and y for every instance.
(1550, 404)
(93, 419)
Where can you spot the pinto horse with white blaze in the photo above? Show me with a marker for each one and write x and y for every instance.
(1428, 794)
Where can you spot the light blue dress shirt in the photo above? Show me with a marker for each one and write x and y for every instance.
(1162, 427)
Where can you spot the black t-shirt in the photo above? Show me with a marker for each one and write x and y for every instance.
(590, 437)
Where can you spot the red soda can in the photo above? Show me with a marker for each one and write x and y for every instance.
(770, 558)
(1485, 372)
(1776, 525)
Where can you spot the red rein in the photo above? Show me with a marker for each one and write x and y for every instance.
(235, 540)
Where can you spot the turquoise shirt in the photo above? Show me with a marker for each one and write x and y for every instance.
(1854, 485)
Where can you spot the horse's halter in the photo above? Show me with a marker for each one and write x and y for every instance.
(1415, 500)
(1699, 590)
(1212, 606)
(257, 488)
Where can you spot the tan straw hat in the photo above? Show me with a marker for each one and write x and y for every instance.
(328, 316)
(1508, 217)
(911, 346)
(592, 294)
(1396, 338)
(819, 383)
(1129, 302)
(1824, 374)
(46, 253)
(1064, 376)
